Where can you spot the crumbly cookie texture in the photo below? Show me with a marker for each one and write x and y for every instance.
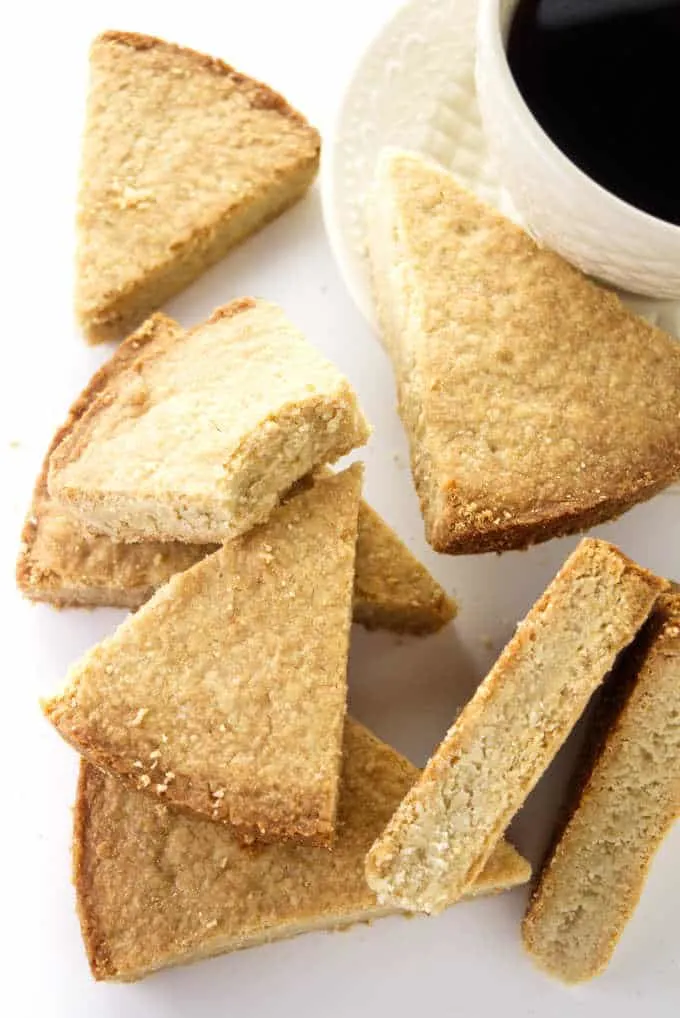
(62, 563)
(392, 589)
(225, 694)
(627, 798)
(443, 832)
(59, 560)
(156, 888)
(198, 436)
(535, 403)
(183, 157)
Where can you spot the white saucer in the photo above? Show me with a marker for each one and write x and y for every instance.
(414, 87)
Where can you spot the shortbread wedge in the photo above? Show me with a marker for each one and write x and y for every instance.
(392, 589)
(628, 799)
(155, 888)
(61, 563)
(225, 694)
(197, 437)
(183, 157)
(535, 403)
(59, 560)
(445, 829)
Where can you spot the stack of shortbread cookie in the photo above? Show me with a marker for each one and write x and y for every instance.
(225, 799)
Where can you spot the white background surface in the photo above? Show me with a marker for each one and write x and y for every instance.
(468, 961)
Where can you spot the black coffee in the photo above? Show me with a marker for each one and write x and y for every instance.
(602, 77)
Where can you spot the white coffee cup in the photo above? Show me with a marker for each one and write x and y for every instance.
(555, 200)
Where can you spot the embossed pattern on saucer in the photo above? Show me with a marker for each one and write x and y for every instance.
(414, 87)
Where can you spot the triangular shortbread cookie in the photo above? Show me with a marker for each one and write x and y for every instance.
(535, 403)
(183, 157)
(156, 888)
(63, 564)
(226, 693)
(392, 589)
(198, 436)
(60, 561)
